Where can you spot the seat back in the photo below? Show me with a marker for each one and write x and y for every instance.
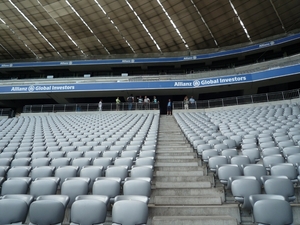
(91, 172)
(103, 161)
(258, 197)
(19, 171)
(88, 212)
(256, 170)
(226, 171)
(141, 171)
(108, 187)
(130, 212)
(280, 186)
(243, 188)
(273, 211)
(216, 160)
(137, 187)
(14, 186)
(285, 169)
(43, 187)
(46, 212)
(73, 188)
(64, 172)
(117, 171)
(43, 171)
(13, 211)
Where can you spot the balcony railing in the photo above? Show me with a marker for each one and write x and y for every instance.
(6, 112)
(241, 100)
(87, 107)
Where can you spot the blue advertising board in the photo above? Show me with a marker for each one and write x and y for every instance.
(143, 85)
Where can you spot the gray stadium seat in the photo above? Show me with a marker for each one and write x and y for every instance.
(46, 212)
(272, 211)
(73, 188)
(137, 187)
(271, 160)
(226, 171)
(65, 172)
(130, 212)
(258, 197)
(256, 170)
(253, 154)
(14, 186)
(285, 169)
(242, 189)
(88, 212)
(42, 171)
(280, 186)
(13, 211)
(107, 187)
(43, 187)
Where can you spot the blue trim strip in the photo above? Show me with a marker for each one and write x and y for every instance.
(182, 84)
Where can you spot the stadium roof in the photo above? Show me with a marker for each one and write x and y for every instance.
(47, 29)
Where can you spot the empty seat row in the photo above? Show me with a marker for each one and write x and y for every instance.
(85, 210)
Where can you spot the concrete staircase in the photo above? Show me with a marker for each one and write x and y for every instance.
(182, 192)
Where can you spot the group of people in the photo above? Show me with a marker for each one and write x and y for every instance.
(142, 103)
(189, 102)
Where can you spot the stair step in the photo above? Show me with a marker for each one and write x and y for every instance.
(198, 184)
(170, 155)
(187, 200)
(213, 211)
(172, 148)
(178, 168)
(175, 160)
(217, 192)
(192, 173)
(176, 164)
(168, 150)
(194, 220)
(162, 157)
(183, 178)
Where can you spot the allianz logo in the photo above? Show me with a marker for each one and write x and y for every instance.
(195, 83)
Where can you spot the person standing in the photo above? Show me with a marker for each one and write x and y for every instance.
(169, 108)
(130, 101)
(140, 103)
(118, 102)
(192, 102)
(146, 103)
(100, 105)
(155, 103)
(186, 102)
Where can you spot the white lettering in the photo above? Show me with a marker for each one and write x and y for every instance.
(65, 87)
(188, 58)
(232, 79)
(6, 65)
(16, 89)
(209, 82)
(43, 88)
(183, 84)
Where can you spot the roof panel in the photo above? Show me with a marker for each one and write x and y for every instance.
(138, 25)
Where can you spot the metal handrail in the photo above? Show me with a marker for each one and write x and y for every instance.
(88, 107)
(241, 100)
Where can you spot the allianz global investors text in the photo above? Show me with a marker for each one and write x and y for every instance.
(42, 88)
(222, 80)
